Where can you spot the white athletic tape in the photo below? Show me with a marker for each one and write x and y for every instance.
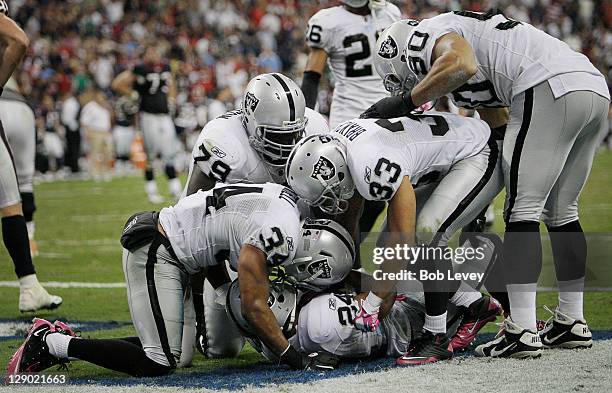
(69, 284)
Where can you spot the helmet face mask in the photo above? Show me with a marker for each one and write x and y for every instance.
(274, 144)
(324, 256)
(390, 59)
(396, 86)
(333, 200)
(282, 301)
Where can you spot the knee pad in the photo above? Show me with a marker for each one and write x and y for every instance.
(560, 218)
(28, 205)
(222, 337)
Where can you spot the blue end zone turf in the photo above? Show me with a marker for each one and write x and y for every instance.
(261, 374)
(11, 329)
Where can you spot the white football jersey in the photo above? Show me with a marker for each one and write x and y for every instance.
(349, 41)
(223, 152)
(209, 227)
(512, 57)
(380, 153)
(327, 323)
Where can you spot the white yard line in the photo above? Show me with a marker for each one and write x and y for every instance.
(68, 284)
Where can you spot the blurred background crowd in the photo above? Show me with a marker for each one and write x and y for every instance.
(213, 48)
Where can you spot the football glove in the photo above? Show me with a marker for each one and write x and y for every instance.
(318, 361)
(367, 317)
(390, 107)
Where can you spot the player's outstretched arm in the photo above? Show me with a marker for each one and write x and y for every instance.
(453, 63)
(123, 83)
(401, 225)
(14, 43)
(317, 58)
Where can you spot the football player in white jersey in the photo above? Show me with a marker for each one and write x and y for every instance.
(254, 226)
(32, 296)
(558, 104)
(447, 160)
(345, 38)
(253, 143)
(249, 144)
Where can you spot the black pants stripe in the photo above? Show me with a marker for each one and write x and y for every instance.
(153, 299)
(518, 149)
(469, 198)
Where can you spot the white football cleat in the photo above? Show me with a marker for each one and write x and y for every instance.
(563, 331)
(515, 342)
(34, 297)
(155, 199)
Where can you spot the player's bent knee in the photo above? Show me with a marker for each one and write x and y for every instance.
(559, 219)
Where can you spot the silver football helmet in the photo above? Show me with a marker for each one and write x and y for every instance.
(274, 108)
(390, 59)
(318, 173)
(282, 301)
(324, 255)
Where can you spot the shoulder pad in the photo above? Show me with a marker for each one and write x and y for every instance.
(217, 155)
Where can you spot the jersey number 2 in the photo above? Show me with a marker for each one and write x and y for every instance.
(350, 60)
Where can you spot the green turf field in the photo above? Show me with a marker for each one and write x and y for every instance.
(78, 227)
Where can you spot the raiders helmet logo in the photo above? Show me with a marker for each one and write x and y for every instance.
(388, 49)
(250, 102)
(324, 169)
(321, 267)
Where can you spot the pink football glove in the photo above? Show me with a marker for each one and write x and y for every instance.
(367, 319)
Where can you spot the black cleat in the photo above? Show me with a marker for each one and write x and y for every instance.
(428, 348)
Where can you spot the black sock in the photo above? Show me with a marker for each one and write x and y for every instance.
(149, 174)
(118, 355)
(15, 235)
(170, 171)
(28, 206)
(522, 252)
(569, 249)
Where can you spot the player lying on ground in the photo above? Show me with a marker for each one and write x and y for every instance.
(32, 296)
(253, 226)
(246, 145)
(324, 322)
(436, 170)
(558, 105)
